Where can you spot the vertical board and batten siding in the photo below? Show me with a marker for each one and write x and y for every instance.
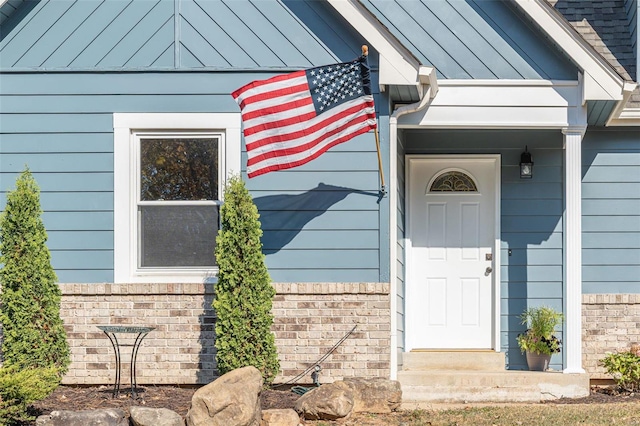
(325, 220)
(531, 220)
(611, 211)
(80, 35)
(474, 39)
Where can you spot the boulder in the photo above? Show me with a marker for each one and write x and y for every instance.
(375, 395)
(144, 416)
(280, 417)
(327, 402)
(108, 417)
(231, 400)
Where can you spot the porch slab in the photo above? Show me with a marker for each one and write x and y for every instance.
(456, 386)
(480, 360)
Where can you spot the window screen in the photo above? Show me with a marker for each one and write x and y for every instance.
(178, 202)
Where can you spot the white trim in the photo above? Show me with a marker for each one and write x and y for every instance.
(494, 104)
(601, 80)
(393, 243)
(397, 63)
(428, 90)
(412, 158)
(124, 126)
(573, 249)
(622, 116)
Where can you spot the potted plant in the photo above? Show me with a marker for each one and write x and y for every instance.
(538, 342)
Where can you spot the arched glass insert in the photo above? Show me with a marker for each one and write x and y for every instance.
(453, 182)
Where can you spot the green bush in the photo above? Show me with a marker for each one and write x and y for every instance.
(624, 367)
(20, 388)
(243, 292)
(34, 346)
(33, 331)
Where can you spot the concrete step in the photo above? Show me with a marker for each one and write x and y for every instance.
(453, 360)
(455, 386)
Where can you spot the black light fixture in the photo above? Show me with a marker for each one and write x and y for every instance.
(526, 165)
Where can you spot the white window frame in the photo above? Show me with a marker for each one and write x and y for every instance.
(127, 128)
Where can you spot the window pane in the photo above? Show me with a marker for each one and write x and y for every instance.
(453, 182)
(178, 236)
(178, 169)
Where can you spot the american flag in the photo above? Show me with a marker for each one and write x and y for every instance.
(291, 119)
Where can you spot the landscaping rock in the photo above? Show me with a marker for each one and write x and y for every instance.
(144, 416)
(328, 402)
(231, 400)
(375, 395)
(280, 417)
(107, 417)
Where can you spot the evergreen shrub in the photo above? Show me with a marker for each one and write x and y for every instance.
(243, 292)
(34, 340)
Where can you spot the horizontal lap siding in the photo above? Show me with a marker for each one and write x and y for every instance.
(321, 221)
(61, 127)
(531, 220)
(611, 212)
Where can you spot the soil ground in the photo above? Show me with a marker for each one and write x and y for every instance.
(178, 399)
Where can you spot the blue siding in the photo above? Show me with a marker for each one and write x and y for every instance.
(66, 138)
(611, 211)
(168, 34)
(472, 39)
(531, 219)
(322, 221)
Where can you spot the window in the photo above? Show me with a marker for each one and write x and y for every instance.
(177, 200)
(169, 174)
(453, 181)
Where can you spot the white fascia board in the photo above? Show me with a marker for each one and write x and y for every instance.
(501, 104)
(397, 65)
(622, 116)
(601, 82)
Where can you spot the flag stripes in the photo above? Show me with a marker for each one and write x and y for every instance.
(293, 118)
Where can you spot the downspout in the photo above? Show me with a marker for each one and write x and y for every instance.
(428, 87)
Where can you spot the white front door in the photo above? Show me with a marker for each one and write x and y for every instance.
(451, 252)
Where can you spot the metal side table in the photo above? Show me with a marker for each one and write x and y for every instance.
(111, 332)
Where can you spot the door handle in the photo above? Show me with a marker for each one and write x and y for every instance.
(488, 270)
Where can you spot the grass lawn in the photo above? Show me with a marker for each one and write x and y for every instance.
(530, 414)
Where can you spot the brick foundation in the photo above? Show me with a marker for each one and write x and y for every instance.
(610, 323)
(309, 319)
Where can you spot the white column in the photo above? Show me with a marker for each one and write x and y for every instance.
(573, 249)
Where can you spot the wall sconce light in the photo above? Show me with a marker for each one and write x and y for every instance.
(526, 165)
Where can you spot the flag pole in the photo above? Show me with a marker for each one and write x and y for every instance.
(383, 191)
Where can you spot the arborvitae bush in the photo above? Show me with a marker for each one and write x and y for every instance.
(33, 332)
(243, 292)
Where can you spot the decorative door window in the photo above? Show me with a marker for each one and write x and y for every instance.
(453, 181)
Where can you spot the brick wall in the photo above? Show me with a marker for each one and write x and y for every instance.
(309, 319)
(610, 323)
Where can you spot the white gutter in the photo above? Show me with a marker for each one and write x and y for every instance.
(428, 88)
(621, 116)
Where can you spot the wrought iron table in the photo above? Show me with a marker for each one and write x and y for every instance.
(111, 331)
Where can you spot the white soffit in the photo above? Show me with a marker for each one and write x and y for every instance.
(398, 66)
(601, 82)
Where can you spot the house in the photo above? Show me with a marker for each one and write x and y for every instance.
(462, 89)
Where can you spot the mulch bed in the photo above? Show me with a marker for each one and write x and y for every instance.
(178, 399)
